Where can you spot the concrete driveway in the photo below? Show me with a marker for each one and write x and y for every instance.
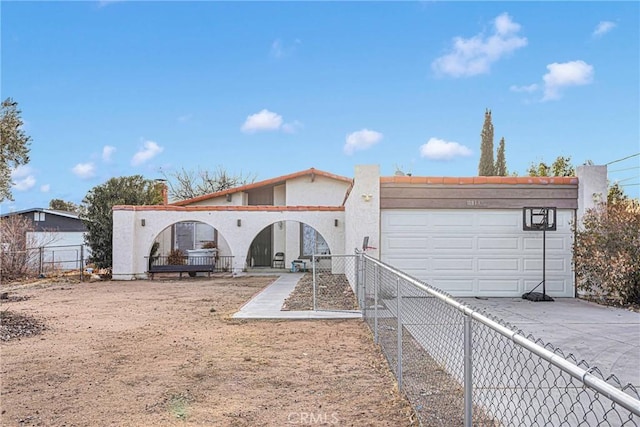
(605, 337)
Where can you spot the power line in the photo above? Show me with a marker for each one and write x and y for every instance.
(624, 158)
(630, 185)
(626, 179)
(626, 169)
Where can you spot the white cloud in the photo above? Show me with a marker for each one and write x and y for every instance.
(185, 118)
(276, 49)
(45, 188)
(361, 140)
(439, 149)
(527, 89)
(107, 152)
(292, 127)
(263, 121)
(603, 28)
(148, 151)
(561, 75)
(22, 178)
(84, 170)
(472, 56)
(279, 50)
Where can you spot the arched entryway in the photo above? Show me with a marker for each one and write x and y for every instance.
(191, 242)
(288, 240)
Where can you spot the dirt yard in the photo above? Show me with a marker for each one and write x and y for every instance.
(149, 353)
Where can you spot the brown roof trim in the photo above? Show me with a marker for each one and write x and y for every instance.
(510, 180)
(271, 181)
(245, 208)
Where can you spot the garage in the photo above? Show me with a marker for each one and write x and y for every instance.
(468, 240)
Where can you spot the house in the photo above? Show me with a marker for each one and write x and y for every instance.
(60, 232)
(463, 235)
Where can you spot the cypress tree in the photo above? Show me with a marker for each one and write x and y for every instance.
(486, 166)
(501, 161)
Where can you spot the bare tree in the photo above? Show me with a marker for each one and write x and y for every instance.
(19, 246)
(187, 184)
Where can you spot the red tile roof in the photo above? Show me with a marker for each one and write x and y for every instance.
(268, 182)
(245, 208)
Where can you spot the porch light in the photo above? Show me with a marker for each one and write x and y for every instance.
(142, 222)
(239, 223)
(367, 197)
(229, 197)
(335, 222)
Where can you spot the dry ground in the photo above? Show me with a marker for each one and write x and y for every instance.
(150, 353)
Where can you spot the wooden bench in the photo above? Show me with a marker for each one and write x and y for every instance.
(185, 268)
(190, 265)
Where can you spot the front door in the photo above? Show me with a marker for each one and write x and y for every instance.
(261, 249)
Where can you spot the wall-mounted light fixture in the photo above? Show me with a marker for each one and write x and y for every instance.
(335, 222)
(367, 197)
(239, 223)
(142, 222)
(229, 197)
(280, 225)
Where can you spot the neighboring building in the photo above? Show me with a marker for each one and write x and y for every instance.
(462, 235)
(60, 232)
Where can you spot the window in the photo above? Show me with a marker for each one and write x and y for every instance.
(312, 242)
(38, 216)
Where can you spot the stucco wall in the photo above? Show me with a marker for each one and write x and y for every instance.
(592, 187)
(322, 191)
(132, 241)
(362, 210)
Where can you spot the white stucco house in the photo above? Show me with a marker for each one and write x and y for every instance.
(462, 234)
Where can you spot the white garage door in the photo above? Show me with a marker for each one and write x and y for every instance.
(478, 252)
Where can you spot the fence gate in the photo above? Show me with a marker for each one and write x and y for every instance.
(334, 282)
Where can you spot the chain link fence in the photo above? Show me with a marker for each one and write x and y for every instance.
(43, 260)
(461, 367)
(334, 282)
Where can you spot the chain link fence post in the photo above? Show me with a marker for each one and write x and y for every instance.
(399, 309)
(375, 303)
(40, 257)
(468, 374)
(81, 263)
(315, 288)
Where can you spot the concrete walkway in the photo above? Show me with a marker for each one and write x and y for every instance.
(267, 304)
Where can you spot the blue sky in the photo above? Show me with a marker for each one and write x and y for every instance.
(269, 88)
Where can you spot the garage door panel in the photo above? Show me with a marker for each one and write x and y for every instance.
(499, 286)
(489, 265)
(551, 265)
(458, 265)
(406, 219)
(453, 285)
(406, 242)
(551, 242)
(500, 219)
(477, 252)
(450, 220)
(444, 243)
(509, 243)
(410, 263)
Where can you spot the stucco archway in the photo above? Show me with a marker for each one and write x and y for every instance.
(133, 240)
